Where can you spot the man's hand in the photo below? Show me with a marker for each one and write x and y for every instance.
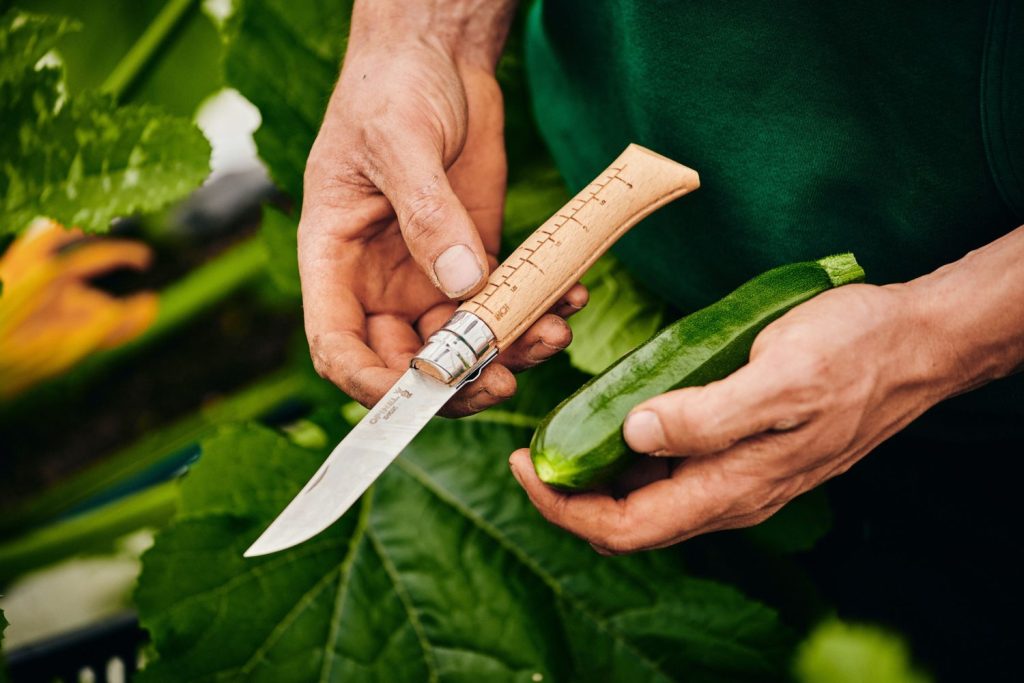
(404, 190)
(825, 385)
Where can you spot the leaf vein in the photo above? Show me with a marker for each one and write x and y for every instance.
(406, 600)
(448, 498)
(345, 571)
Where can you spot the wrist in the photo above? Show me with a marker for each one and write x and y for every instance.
(468, 31)
(930, 356)
(972, 339)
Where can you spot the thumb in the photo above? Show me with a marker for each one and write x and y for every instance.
(711, 418)
(438, 230)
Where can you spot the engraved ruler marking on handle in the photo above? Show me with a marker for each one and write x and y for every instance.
(543, 268)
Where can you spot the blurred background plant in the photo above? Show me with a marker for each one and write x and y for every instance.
(842, 652)
(163, 324)
(50, 315)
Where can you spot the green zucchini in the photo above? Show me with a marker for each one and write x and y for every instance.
(579, 444)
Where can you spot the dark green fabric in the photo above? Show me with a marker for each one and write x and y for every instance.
(893, 130)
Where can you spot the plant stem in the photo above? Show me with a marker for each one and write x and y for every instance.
(142, 54)
(154, 448)
(205, 287)
(89, 532)
(201, 289)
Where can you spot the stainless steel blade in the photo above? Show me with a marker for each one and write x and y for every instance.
(357, 461)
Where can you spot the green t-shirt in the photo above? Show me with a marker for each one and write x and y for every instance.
(892, 130)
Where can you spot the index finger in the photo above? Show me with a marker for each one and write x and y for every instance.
(343, 357)
(335, 322)
(659, 514)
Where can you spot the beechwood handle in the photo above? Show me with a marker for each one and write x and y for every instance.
(549, 262)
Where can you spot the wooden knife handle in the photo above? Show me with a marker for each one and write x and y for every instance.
(555, 256)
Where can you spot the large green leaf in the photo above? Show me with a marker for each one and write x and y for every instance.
(284, 57)
(280, 241)
(444, 572)
(25, 38)
(621, 315)
(82, 161)
(91, 162)
(529, 202)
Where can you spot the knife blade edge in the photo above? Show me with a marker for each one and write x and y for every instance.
(365, 453)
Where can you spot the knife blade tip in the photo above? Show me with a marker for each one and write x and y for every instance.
(263, 546)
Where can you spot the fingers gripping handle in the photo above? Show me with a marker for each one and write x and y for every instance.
(543, 268)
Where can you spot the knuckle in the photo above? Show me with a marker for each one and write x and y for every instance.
(816, 364)
(329, 188)
(318, 161)
(424, 216)
(617, 544)
(809, 399)
(458, 406)
(766, 339)
(321, 361)
(619, 535)
(481, 400)
(332, 159)
(309, 234)
(761, 447)
(319, 164)
(382, 140)
(777, 336)
(358, 386)
(556, 509)
(377, 134)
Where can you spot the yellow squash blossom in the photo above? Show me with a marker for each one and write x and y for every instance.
(50, 315)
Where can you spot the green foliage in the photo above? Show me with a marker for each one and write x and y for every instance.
(25, 38)
(82, 160)
(280, 240)
(188, 68)
(284, 57)
(89, 162)
(619, 317)
(797, 526)
(531, 201)
(837, 652)
(444, 572)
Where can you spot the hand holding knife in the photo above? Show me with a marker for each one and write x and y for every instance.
(518, 292)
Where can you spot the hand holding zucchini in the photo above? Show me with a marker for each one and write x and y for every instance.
(580, 444)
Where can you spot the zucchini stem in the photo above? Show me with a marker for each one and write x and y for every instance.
(842, 269)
